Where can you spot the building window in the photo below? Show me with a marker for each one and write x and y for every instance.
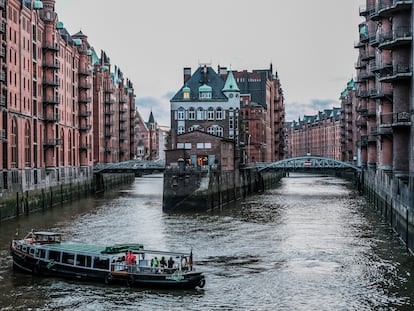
(219, 131)
(200, 114)
(191, 114)
(180, 130)
(181, 113)
(210, 114)
(219, 114)
(210, 130)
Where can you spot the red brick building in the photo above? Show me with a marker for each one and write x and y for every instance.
(52, 101)
(385, 98)
(318, 135)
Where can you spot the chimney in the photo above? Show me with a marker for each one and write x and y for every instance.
(187, 74)
(223, 72)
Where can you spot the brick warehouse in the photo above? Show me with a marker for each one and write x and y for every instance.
(53, 85)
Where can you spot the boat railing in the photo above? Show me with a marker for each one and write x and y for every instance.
(140, 268)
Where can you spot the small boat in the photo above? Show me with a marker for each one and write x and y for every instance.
(43, 253)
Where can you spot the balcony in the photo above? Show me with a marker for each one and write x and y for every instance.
(365, 56)
(51, 117)
(84, 85)
(122, 128)
(123, 99)
(401, 36)
(2, 52)
(109, 89)
(51, 142)
(85, 127)
(55, 47)
(51, 100)
(50, 82)
(85, 114)
(2, 100)
(85, 72)
(380, 68)
(2, 3)
(399, 72)
(109, 133)
(389, 9)
(380, 94)
(84, 100)
(362, 94)
(85, 147)
(54, 64)
(2, 77)
(109, 112)
(109, 101)
(3, 27)
(401, 119)
(361, 124)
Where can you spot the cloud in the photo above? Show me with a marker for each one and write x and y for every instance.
(297, 110)
(160, 108)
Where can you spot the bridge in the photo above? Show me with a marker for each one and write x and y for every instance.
(138, 167)
(308, 163)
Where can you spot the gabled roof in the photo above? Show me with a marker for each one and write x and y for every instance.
(199, 78)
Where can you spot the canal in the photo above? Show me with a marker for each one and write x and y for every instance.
(310, 244)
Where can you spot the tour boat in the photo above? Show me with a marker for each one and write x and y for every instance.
(44, 253)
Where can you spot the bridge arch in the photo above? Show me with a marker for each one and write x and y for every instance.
(307, 162)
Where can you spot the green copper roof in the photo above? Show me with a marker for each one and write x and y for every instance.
(59, 25)
(205, 88)
(186, 89)
(95, 58)
(89, 52)
(363, 30)
(351, 84)
(38, 5)
(230, 84)
(77, 41)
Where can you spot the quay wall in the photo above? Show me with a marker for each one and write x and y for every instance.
(393, 199)
(205, 190)
(23, 203)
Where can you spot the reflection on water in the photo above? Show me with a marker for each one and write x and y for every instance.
(309, 244)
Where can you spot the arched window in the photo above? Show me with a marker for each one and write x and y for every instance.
(70, 160)
(210, 113)
(181, 113)
(191, 113)
(219, 113)
(200, 114)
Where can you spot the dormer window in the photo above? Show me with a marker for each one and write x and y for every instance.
(186, 92)
(204, 92)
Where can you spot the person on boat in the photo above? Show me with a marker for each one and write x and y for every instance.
(163, 263)
(131, 258)
(170, 263)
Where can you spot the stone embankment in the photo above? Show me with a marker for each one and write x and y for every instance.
(23, 203)
(192, 189)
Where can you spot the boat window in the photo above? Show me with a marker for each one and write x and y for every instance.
(54, 255)
(101, 263)
(40, 253)
(83, 261)
(24, 249)
(68, 258)
(31, 251)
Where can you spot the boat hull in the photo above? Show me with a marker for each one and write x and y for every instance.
(185, 280)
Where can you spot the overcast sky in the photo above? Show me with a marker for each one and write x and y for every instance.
(309, 42)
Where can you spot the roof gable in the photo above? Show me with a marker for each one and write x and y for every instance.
(203, 75)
